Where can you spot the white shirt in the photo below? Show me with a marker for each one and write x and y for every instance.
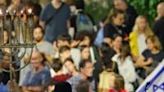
(127, 70)
(141, 43)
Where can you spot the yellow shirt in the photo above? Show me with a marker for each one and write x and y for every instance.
(134, 43)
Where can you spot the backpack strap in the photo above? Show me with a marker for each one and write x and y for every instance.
(53, 16)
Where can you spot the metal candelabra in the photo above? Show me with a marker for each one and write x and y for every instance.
(19, 36)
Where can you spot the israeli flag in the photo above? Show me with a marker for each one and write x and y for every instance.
(155, 81)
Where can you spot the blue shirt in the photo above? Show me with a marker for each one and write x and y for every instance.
(74, 81)
(55, 21)
(41, 78)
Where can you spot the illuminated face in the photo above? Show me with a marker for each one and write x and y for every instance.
(88, 69)
(119, 19)
(57, 0)
(85, 53)
(117, 42)
(66, 54)
(36, 59)
(86, 41)
(70, 66)
(150, 44)
(142, 23)
(120, 5)
(38, 35)
(160, 10)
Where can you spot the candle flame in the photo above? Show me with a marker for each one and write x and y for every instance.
(1, 13)
(30, 11)
(21, 11)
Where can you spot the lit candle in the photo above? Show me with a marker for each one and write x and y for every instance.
(1, 27)
(7, 11)
(1, 12)
(22, 11)
(30, 24)
(29, 11)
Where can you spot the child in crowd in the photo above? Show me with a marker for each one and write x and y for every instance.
(126, 67)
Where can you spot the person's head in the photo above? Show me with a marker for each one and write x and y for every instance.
(83, 86)
(64, 52)
(85, 37)
(57, 1)
(86, 68)
(85, 52)
(63, 40)
(117, 41)
(37, 59)
(116, 17)
(106, 51)
(108, 41)
(142, 25)
(5, 63)
(160, 9)
(57, 65)
(153, 43)
(38, 34)
(120, 5)
(5, 37)
(69, 64)
(63, 87)
(125, 51)
(119, 82)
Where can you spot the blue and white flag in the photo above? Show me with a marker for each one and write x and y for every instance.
(155, 81)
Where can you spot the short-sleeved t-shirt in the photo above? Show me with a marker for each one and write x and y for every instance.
(41, 78)
(46, 48)
(55, 21)
(158, 57)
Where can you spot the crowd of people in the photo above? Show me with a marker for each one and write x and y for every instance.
(73, 54)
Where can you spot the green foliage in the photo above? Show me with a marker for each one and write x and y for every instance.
(144, 7)
(98, 10)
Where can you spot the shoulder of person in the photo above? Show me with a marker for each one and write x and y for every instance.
(115, 58)
(48, 6)
(133, 34)
(129, 60)
(159, 21)
(47, 43)
(161, 53)
(146, 51)
(64, 4)
(110, 25)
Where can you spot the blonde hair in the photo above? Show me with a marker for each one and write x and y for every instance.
(154, 39)
(147, 30)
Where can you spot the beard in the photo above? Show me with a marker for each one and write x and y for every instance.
(38, 40)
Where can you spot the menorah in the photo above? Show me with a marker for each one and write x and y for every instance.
(19, 38)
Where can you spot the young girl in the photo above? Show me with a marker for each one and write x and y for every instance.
(126, 67)
(117, 43)
(70, 66)
(119, 84)
(150, 57)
